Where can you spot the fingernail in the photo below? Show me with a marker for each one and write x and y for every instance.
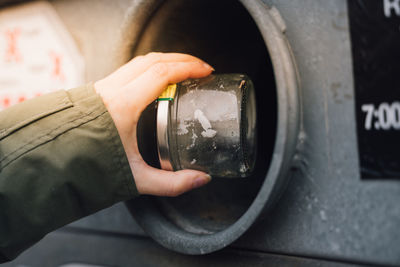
(208, 66)
(200, 181)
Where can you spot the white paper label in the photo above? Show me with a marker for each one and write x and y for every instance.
(37, 54)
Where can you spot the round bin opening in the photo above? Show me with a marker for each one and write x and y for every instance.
(235, 37)
(223, 34)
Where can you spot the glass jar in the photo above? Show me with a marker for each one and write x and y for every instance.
(208, 124)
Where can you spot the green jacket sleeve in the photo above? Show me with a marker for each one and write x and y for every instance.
(61, 159)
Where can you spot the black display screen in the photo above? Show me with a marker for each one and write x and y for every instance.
(375, 37)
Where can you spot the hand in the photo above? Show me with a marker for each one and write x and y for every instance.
(127, 92)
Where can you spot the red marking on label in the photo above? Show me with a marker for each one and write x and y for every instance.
(57, 72)
(6, 102)
(12, 52)
(21, 99)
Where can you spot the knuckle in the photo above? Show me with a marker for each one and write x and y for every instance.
(138, 57)
(176, 188)
(154, 56)
(159, 69)
(171, 192)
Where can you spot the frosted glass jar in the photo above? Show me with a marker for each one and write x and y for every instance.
(209, 125)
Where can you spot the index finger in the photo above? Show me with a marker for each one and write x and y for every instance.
(153, 82)
(140, 64)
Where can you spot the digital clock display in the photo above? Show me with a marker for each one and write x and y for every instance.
(383, 117)
(375, 37)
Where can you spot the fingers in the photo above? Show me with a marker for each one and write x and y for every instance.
(144, 78)
(140, 64)
(152, 181)
(149, 85)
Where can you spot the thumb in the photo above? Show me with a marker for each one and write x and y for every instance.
(152, 181)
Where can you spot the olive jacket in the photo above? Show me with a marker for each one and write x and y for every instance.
(61, 158)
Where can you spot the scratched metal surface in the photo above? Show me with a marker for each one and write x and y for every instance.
(327, 210)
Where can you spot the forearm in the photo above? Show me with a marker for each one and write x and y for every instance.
(60, 159)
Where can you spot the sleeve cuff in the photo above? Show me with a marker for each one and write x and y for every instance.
(80, 96)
